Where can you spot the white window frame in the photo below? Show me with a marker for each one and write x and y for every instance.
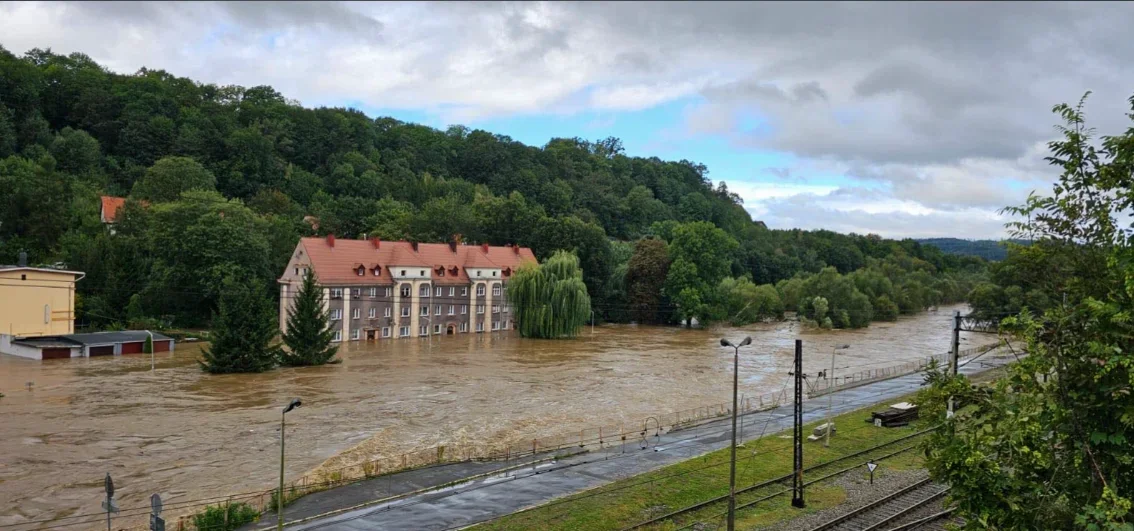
(480, 326)
(338, 335)
(495, 308)
(405, 311)
(336, 314)
(357, 292)
(423, 290)
(465, 291)
(451, 309)
(505, 308)
(423, 330)
(480, 290)
(385, 331)
(438, 311)
(452, 291)
(464, 327)
(372, 312)
(336, 293)
(496, 290)
(404, 331)
(464, 309)
(436, 329)
(355, 313)
(389, 292)
(354, 334)
(480, 309)
(425, 311)
(373, 292)
(389, 312)
(496, 325)
(406, 290)
(437, 292)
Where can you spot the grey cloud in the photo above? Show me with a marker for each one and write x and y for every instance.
(274, 15)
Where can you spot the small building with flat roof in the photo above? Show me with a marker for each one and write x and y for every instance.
(85, 345)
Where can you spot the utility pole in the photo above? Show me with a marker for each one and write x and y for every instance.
(954, 354)
(797, 476)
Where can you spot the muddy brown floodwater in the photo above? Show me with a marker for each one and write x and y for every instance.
(189, 435)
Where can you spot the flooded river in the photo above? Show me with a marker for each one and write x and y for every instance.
(189, 435)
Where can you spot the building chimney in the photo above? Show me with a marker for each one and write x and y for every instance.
(331, 240)
(23, 259)
(484, 247)
(377, 242)
(516, 249)
(453, 245)
(414, 245)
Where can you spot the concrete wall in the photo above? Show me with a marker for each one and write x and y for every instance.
(6, 347)
(36, 303)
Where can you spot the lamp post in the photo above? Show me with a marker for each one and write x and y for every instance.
(295, 402)
(151, 350)
(732, 459)
(831, 393)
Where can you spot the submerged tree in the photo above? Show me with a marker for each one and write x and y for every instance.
(550, 300)
(309, 336)
(243, 330)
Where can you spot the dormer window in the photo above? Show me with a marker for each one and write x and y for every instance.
(361, 271)
(422, 272)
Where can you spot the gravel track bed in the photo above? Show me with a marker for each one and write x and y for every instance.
(859, 493)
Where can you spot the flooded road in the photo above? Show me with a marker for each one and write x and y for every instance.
(189, 435)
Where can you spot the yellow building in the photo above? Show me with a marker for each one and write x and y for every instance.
(35, 301)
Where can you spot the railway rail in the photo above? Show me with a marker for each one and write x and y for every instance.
(884, 513)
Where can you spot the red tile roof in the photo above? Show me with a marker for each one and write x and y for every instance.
(335, 264)
(110, 207)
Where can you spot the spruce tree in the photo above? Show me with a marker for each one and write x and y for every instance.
(243, 330)
(309, 336)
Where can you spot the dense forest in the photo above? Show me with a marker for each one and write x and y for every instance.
(991, 250)
(223, 180)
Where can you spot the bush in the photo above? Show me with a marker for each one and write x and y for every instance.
(225, 517)
(885, 309)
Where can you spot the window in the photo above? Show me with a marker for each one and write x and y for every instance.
(354, 334)
(422, 273)
(478, 273)
(377, 270)
(464, 327)
(404, 331)
(437, 292)
(452, 291)
(465, 291)
(507, 325)
(373, 292)
(494, 273)
(505, 308)
(372, 313)
(405, 290)
(438, 312)
(496, 325)
(425, 310)
(385, 331)
(389, 312)
(479, 309)
(480, 290)
(496, 290)
(403, 272)
(423, 291)
(423, 330)
(495, 308)
(405, 311)
(436, 329)
(336, 293)
(389, 292)
(480, 327)
(356, 313)
(336, 314)
(361, 271)
(464, 309)
(451, 308)
(338, 335)
(297, 271)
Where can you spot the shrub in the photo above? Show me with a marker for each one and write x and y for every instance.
(225, 517)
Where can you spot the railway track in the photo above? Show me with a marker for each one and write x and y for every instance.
(885, 513)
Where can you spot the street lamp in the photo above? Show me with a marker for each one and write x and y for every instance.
(295, 402)
(732, 461)
(831, 393)
(151, 350)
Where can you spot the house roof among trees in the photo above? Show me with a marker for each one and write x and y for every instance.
(335, 261)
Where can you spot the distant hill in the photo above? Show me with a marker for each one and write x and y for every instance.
(987, 249)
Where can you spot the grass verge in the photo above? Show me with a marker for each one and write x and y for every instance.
(645, 496)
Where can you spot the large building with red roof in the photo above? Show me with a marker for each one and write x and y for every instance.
(377, 289)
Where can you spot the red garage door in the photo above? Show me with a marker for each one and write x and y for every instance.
(162, 346)
(107, 350)
(56, 353)
(133, 348)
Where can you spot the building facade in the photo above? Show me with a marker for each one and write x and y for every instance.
(376, 289)
(35, 302)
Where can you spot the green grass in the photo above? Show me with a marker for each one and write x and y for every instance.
(639, 498)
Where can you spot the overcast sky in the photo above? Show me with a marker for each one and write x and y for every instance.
(915, 119)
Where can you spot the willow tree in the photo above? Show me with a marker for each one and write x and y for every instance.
(550, 300)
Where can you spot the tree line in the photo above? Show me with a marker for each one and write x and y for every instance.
(223, 180)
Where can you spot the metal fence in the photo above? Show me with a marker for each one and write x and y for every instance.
(824, 386)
